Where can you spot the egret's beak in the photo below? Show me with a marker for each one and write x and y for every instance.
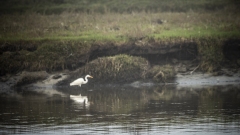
(90, 77)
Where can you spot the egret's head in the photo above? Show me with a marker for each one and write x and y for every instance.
(89, 76)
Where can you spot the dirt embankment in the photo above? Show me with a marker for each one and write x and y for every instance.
(139, 59)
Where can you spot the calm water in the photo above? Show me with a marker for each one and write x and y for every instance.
(122, 110)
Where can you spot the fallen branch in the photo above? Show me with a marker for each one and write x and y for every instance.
(194, 69)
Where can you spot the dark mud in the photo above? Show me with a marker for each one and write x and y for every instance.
(151, 50)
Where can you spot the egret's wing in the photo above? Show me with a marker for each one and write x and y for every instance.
(79, 81)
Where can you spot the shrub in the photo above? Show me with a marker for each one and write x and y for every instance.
(119, 68)
(210, 53)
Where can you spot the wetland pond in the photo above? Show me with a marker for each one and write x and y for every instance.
(115, 109)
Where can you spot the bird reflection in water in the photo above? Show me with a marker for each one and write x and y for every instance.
(80, 100)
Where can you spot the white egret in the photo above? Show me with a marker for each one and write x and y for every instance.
(80, 81)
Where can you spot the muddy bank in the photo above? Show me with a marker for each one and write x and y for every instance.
(139, 59)
(59, 55)
(137, 76)
(52, 56)
(61, 81)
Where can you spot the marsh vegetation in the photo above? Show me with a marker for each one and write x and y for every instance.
(68, 34)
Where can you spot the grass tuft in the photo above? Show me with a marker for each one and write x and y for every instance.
(119, 68)
(210, 51)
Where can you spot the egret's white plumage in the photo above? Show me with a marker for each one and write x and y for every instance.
(80, 81)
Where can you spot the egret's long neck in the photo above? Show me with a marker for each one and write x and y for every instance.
(86, 80)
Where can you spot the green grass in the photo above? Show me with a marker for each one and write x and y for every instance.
(84, 38)
(117, 27)
(196, 32)
(112, 20)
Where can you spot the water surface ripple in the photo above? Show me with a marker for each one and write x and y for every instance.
(122, 110)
